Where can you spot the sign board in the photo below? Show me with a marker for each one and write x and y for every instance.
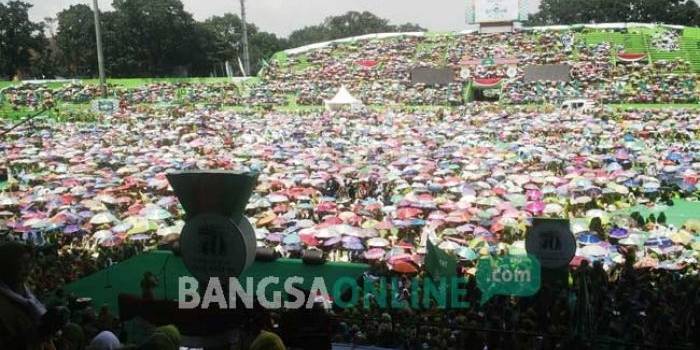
(216, 246)
(547, 72)
(512, 72)
(551, 242)
(432, 76)
(217, 240)
(105, 106)
(508, 275)
(496, 11)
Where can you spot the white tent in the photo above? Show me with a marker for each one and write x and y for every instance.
(342, 98)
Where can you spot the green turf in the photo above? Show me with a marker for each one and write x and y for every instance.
(134, 82)
(655, 106)
(676, 215)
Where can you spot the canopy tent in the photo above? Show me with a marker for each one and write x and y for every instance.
(104, 286)
(342, 98)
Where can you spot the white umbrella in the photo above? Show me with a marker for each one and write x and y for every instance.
(103, 218)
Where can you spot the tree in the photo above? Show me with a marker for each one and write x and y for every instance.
(225, 40)
(76, 40)
(21, 40)
(262, 46)
(158, 35)
(352, 23)
(683, 12)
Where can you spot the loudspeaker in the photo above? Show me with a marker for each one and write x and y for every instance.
(265, 254)
(313, 257)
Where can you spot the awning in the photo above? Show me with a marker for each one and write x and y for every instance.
(486, 83)
(631, 57)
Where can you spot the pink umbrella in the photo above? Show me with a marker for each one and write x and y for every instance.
(534, 195)
(384, 225)
(399, 257)
(309, 240)
(437, 215)
(535, 207)
(408, 213)
(326, 207)
(333, 220)
(374, 254)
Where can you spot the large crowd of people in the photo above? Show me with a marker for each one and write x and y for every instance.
(374, 187)
(379, 72)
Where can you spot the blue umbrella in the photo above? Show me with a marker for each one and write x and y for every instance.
(587, 238)
(674, 156)
(331, 241)
(273, 237)
(353, 246)
(291, 239)
(351, 240)
(658, 241)
(619, 233)
(466, 253)
(292, 247)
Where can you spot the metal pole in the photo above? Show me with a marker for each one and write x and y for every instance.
(100, 55)
(246, 57)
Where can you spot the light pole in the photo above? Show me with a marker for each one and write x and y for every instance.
(246, 58)
(100, 55)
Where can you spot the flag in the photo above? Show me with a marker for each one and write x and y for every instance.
(438, 263)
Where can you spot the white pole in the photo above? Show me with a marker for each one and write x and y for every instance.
(246, 57)
(100, 55)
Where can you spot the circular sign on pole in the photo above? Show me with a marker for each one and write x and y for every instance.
(213, 245)
(551, 241)
(465, 73)
(512, 72)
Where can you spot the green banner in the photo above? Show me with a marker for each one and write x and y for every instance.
(438, 263)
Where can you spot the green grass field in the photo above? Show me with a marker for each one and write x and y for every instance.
(133, 82)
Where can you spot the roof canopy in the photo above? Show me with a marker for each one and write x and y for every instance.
(342, 98)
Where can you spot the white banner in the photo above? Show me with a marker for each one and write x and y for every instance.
(486, 11)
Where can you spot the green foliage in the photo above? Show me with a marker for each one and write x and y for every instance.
(21, 40)
(352, 23)
(662, 218)
(637, 217)
(681, 12)
(651, 218)
(76, 40)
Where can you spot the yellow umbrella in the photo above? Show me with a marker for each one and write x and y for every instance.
(692, 225)
(683, 237)
(370, 223)
(139, 224)
(696, 245)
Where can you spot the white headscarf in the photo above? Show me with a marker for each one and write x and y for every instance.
(106, 340)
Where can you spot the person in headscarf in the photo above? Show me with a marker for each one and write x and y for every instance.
(72, 338)
(23, 324)
(105, 340)
(265, 339)
(163, 338)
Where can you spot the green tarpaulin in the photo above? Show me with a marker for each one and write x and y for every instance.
(104, 286)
